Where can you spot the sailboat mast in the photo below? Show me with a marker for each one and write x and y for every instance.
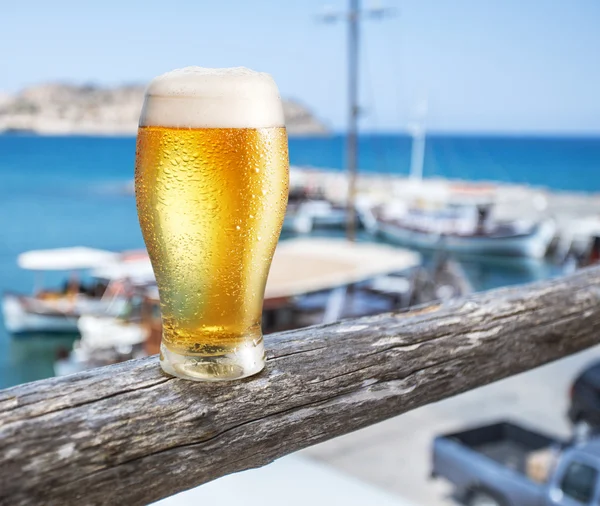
(353, 110)
(353, 17)
(417, 157)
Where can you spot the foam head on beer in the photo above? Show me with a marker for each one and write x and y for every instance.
(197, 97)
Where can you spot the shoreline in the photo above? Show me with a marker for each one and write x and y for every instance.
(368, 178)
(131, 132)
(117, 134)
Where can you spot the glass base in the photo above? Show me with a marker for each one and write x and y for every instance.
(246, 360)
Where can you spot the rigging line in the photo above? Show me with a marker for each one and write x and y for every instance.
(398, 72)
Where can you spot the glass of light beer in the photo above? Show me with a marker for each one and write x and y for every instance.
(211, 183)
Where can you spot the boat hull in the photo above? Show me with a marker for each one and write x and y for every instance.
(105, 332)
(17, 320)
(532, 245)
(306, 219)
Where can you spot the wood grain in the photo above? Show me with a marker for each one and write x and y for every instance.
(128, 434)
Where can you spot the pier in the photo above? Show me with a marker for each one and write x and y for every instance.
(576, 214)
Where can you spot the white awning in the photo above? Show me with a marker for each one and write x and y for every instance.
(309, 265)
(65, 259)
(137, 271)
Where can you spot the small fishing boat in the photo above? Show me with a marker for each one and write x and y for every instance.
(309, 281)
(457, 217)
(93, 288)
(304, 217)
(468, 229)
(123, 329)
(319, 214)
(58, 310)
(99, 332)
(105, 340)
(309, 209)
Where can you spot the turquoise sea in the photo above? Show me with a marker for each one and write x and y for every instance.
(68, 191)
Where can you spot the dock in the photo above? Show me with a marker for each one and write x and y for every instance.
(576, 214)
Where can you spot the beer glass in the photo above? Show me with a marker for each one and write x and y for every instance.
(211, 183)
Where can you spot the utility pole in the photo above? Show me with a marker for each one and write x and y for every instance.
(353, 18)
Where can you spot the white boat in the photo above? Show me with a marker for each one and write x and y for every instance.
(303, 217)
(110, 339)
(107, 332)
(124, 330)
(520, 239)
(24, 313)
(297, 223)
(457, 217)
(59, 310)
(82, 357)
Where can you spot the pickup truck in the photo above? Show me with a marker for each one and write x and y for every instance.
(584, 411)
(492, 466)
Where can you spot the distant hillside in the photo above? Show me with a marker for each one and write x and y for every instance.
(67, 109)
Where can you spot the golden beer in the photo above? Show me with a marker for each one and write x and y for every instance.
(211, 203)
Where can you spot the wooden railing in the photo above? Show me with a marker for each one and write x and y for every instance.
(128, 434)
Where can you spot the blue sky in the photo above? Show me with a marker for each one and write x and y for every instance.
(482, 65)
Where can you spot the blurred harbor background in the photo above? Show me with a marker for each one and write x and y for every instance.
(59, 191)
(75, 190)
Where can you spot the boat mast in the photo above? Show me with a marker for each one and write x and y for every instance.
(353, 17)
(417, 156)
(353, 111)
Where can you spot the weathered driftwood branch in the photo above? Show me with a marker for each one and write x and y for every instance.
(127, 434)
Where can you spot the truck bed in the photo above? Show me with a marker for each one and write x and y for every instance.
(504, 442)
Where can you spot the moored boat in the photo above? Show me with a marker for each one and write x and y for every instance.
(456, 217)
(319, 273)
(122, 329)
(500, 239)
(308, 209)
(98, 286)
(58, 310)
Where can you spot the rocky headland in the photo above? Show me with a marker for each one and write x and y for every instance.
(55, 109)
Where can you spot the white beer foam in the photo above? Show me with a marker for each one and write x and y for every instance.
(196, 97)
